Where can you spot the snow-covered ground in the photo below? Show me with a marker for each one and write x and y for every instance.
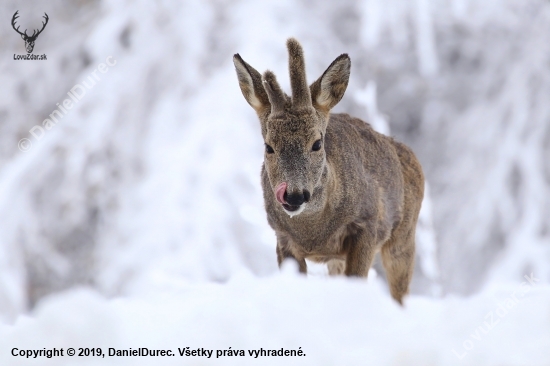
(334, 322)
(137, 219)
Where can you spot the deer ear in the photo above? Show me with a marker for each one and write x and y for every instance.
(327, 91)
(250, 82)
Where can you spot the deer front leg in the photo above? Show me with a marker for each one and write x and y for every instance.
(283, 253)
(360, 253)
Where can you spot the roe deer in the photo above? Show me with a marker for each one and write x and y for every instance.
(334, 189)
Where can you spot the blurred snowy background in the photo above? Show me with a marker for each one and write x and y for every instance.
(151, 181)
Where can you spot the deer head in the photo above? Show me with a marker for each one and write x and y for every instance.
(29, 40)
(294, 127)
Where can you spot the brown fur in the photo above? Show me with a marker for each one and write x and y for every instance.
(366, 188)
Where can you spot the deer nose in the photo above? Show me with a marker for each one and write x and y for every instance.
(307, 195)
(297, 198)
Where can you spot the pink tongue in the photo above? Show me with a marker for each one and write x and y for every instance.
(280, 193)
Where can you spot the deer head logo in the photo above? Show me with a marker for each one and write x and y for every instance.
(29, 40)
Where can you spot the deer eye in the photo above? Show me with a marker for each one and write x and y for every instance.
(269, 149)
(316, 145)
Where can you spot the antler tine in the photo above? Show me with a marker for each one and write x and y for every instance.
(13, 19)
(274, 92)
(301, 97)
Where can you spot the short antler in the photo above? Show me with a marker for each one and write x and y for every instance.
(301, 97)
(274, 92)
(15, 16)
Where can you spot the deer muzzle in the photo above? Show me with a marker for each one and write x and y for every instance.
(294, 202)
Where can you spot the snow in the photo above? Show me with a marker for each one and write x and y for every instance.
(335, 322)
(138, 219)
